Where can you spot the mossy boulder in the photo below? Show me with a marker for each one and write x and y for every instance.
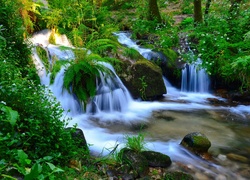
(170, 65)
(196, 142)
(143, 79)
(157, 159)
(135, 160)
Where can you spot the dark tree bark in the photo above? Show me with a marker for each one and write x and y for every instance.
(153, 11)
(197, 12)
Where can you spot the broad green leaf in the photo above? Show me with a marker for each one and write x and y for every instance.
(34, 172)
(11, 115)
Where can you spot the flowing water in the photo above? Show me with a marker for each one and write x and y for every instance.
(164, 123)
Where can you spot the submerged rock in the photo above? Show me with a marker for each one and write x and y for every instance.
(197, 143)
(236, 157)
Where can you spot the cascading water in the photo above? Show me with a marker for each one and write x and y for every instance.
(125, 39)
(108, 120)
(194, 78)
(111, 94)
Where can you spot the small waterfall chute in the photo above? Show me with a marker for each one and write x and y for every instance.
(111, 94)
(194, 78)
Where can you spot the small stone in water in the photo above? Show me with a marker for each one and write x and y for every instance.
(222, 157)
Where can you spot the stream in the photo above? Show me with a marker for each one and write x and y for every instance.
(164, 123)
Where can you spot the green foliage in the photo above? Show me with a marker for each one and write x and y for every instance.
(43, 56)
(187, 7)
(142, 26)
(56, 68)
(14, 49)
(80, 76)
(136, 143)
(143, 88)
(241, 67)
(103, 46)
(121, 4)
(187, 22)
(131, 53)
(222, 42)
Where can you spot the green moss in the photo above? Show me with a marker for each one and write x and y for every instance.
(170, 54)
(42, 54)
(132, 53)
(201, 142)
(52, 38)
(151, 65)
(56, 68)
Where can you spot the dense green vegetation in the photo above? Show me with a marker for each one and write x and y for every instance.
(33, 140)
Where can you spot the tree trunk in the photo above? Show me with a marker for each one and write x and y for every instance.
(197, 12)
(153, 11)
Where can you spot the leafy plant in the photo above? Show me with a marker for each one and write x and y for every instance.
(80, 76)
(142, 90)
(241, 67)
(43, 56)
(57, 66)
(136, 143)
(103, 46)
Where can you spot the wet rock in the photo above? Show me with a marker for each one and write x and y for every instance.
(79, 138)
(136, 160)
(216, 102)
(112, 173)
(128, 177)
(221, 177)
(143, 79)
(199, 175)
(236, 157)
(222, 157)
(245, 173)
(178, 176)
(156, 159)
(197, 143)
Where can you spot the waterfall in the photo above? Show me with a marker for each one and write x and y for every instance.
(111, 95)
(125, 39)
(194, 78)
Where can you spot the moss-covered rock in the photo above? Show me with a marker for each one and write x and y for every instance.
(136, 160)
(196, 142)
(143, 79)
(156, 159)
